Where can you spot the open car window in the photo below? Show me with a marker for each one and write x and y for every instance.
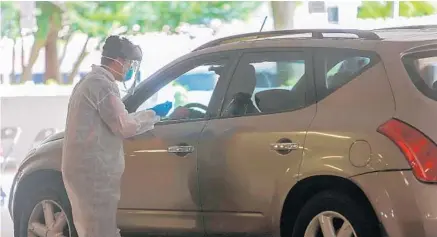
(267, 83)
(190, 92)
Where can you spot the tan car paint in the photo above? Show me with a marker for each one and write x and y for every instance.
(244, 183)
(352, 113)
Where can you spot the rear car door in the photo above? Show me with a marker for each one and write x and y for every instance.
(250, 156)
(159, 186)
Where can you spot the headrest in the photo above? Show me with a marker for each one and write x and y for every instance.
(244, 80)
(275, 100)
(429, 74)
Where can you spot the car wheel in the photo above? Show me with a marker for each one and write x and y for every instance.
(47, 212)
(331, 214)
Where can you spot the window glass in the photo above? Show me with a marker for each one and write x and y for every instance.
(427, 69)
(343, 70)
(339, 68)
(422, 69)
(190, 92)
(266, 83)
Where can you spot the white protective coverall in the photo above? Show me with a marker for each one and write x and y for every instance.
(93, 157)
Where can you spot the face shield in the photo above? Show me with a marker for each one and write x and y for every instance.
(133, 54)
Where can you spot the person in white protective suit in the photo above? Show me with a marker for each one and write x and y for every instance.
(97, 123)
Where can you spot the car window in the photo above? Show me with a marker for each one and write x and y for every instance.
(190, 92)
(422, 69)
(338, 67)
(266, 82)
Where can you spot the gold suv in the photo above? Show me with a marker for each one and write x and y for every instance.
(297, 133)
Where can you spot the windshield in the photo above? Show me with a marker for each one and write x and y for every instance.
(422, 69)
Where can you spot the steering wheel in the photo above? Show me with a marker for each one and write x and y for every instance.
(196, 105)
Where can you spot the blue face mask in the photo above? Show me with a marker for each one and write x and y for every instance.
(128, 75)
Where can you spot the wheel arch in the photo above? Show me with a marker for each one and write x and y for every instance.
(309, 187)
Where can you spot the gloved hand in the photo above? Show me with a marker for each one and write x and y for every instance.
(162, 109)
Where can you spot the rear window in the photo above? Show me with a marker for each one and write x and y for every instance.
(338, 67)
(422, 69)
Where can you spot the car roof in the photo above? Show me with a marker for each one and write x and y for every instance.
(399, 38)
(406, 34)
(380, 41)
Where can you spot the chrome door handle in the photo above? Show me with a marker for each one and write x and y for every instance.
(180, 149)
(288, 146)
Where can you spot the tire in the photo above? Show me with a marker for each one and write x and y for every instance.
(363, 221)
(53, 191)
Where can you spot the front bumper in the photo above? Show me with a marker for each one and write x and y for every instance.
(405, 206)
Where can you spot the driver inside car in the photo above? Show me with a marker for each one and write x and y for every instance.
(188, 111)
(185, 113)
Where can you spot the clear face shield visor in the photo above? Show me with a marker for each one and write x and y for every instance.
(134, 56)
(131, 70)
(130, 77)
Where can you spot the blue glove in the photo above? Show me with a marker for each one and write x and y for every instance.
(162, 109)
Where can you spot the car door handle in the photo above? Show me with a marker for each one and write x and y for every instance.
(180, 149)
(286, 146)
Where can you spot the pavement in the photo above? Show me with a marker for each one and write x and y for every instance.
(6, 225)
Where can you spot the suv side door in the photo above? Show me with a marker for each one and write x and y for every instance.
(249, 158)
(159, 186)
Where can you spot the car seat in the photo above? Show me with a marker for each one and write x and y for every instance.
(239, 100)
(429, 75)
(278, 100)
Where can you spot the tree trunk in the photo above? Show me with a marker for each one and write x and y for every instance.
(34, 53)
(76, 66)
(64, 50)
(283, 14)
(52, 63)
(23, 65)
(12, 75)
(283, 19)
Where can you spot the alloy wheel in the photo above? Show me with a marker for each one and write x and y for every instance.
(330, 224)
(48, 219)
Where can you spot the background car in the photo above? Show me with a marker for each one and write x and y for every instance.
(292, 133)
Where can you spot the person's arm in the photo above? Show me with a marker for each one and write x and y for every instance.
(114, 114)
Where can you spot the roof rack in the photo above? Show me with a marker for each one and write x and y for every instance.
(316, 34)
(413, 27)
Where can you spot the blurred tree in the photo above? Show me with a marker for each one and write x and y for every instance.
(48, 21)
(379, 9)
(52, 64)
(95, 19)
(283, 14)
(65, 37)
(10, 28)
(98, 19)
(154, 16)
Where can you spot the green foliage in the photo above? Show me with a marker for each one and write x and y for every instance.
(96, 18)
(153, 16)
(47, 14)
(374, 9)
(10, 20)
(416, 8)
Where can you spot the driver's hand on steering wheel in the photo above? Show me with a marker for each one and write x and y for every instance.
(180, 113)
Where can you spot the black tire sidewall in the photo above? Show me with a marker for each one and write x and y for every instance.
(55, 193)
(363, 221)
